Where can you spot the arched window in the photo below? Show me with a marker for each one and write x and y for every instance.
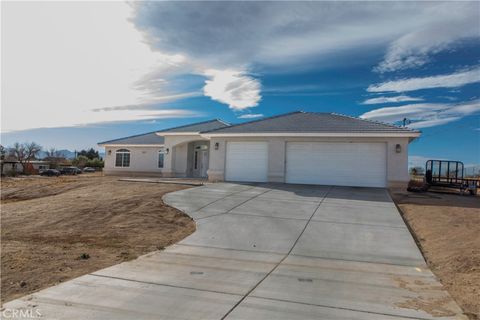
(122, 158)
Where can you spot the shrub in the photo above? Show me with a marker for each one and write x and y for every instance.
(95, 163)
(417, 186)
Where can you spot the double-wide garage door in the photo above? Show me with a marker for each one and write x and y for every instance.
(340, 164)
(325, 163)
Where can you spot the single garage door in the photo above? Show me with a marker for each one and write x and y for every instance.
(246, 161)
(340, 164)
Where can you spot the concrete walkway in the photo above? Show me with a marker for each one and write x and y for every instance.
(266, 252)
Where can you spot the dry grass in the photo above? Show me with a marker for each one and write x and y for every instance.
(55, 229)
(447, 228)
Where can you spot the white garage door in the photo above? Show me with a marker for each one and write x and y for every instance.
(246, 161)
(341, 164)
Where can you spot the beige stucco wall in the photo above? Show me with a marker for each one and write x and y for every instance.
(397, 163)
(176, 162)
(143, 161)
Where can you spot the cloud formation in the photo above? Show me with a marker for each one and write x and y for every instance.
(396, 99)
(251, 116)
(453, 80)
(238, 35)
(234, 34)
(415, 48)
(423, 115)
(63, 68)
(234, 88)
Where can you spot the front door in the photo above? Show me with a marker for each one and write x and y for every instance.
(200, 161)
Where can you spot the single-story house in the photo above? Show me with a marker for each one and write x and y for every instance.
(298, 147)
(14, 166)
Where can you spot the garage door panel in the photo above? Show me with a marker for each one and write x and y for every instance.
(247, 161)
(346, 164)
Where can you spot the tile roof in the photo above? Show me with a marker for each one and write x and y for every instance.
(311, 122)
(151, 138)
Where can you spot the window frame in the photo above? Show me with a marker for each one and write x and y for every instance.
(123, 153)
(162, 153)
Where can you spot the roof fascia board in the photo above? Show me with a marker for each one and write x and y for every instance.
(315, 134)
(129, 145)
(161, 134)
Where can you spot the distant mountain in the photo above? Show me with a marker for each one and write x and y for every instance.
(67, 154)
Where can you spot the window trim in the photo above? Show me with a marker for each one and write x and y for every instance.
(123, 152)
(163, 153)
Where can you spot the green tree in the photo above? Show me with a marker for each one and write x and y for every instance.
(95, 163)
(90, 153)
(80, 161)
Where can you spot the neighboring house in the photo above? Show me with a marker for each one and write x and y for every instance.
(34, 166)
(297, 147)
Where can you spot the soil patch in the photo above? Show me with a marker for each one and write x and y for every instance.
(58, 228)
(447, 229)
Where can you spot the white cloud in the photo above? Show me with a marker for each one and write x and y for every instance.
(453, 80)
(396, 99)
(423, 115)
(233, 34)
(251, 116)
(232, 87)
(432, 122)
(410, 111)
(414, 48)
(62, 60)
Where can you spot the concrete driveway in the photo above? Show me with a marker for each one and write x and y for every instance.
(267, 251)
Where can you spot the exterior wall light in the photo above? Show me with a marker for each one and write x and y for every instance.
(398, 148)
(167, 151)
(109, 152)
(217, 145)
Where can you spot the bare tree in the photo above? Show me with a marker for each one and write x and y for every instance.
(2, 157)
(54, 157)
(24, 153)
(53, 153)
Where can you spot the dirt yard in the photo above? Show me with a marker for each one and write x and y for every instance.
(57, 228)
(447, 228)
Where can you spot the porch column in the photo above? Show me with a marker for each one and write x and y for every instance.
(216, 160)
(168, 160)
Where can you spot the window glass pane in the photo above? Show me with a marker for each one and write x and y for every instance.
(160, 160)
(126, 160)
(195, 160)
(118, 160)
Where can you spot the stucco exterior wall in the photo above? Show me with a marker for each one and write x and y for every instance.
(397, 163)
(143, 161)
(176, 161)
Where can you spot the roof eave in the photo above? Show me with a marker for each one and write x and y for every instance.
(317, 134)
(162, 134)
(128, 145)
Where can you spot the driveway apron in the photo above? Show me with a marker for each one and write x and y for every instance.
(266, 251)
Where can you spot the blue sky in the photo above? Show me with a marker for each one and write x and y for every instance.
(140, 67)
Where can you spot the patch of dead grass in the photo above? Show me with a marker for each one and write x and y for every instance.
(49, 223)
